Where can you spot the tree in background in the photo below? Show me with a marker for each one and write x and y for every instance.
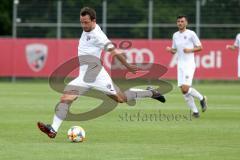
(5, 18)
(121, 12)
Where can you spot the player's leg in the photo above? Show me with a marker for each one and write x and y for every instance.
(188, 74)
(62, 109)
(130, 95)
(192, 91)
(133, 94)
(59, 116)
(118, 97)
(104, 83)
(189, 99)
(184, 83)
(187, 77)
(71, 93)
(203, 99)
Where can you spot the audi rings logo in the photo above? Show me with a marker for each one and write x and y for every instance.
(143, 57)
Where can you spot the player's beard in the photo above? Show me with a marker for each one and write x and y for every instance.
(182, 28)
(87, 29)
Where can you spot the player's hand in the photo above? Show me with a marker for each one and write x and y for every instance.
(169, 49)
(187, 50)
(231, 47)
(132, 68)
(228, 46)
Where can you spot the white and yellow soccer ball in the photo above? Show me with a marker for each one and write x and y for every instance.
(76, 134)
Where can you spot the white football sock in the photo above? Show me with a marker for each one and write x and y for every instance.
(132, 94)
(61, 112)
(193, 92)
(190, 101)
(56, 122)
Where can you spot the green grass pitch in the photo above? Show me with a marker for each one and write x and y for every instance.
(114, 136)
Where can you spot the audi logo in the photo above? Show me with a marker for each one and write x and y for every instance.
(143, 57)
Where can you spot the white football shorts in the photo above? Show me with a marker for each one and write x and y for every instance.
(185, 76)
(94, 78)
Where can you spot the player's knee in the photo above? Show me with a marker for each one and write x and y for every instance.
(67, 98)
(121, 99)
(184, 90)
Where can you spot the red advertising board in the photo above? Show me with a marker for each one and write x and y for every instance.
(40, 57)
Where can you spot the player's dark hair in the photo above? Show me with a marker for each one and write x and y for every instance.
(182, 16)
(88, 11)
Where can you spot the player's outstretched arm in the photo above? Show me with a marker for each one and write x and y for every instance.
(120, 56)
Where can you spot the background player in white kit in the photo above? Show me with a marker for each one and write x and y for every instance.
(91, 44)
(235, 46)
(185, 43)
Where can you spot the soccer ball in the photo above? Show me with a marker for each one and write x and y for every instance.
(76, 134)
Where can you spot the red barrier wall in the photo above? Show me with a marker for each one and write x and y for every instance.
(40, 57)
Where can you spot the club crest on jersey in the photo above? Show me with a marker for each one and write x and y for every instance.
(88, 38)
(109, 86)
(36, 55)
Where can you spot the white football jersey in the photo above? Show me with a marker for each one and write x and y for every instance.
(186, 39)
(93, 42)
(237, 42)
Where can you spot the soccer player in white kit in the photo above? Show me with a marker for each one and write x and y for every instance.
(235, 46)
(185, 43)
(92, 42)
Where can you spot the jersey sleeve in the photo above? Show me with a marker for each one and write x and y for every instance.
(174, 46)
(195, 40)
(103, 42)
(237, 41)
